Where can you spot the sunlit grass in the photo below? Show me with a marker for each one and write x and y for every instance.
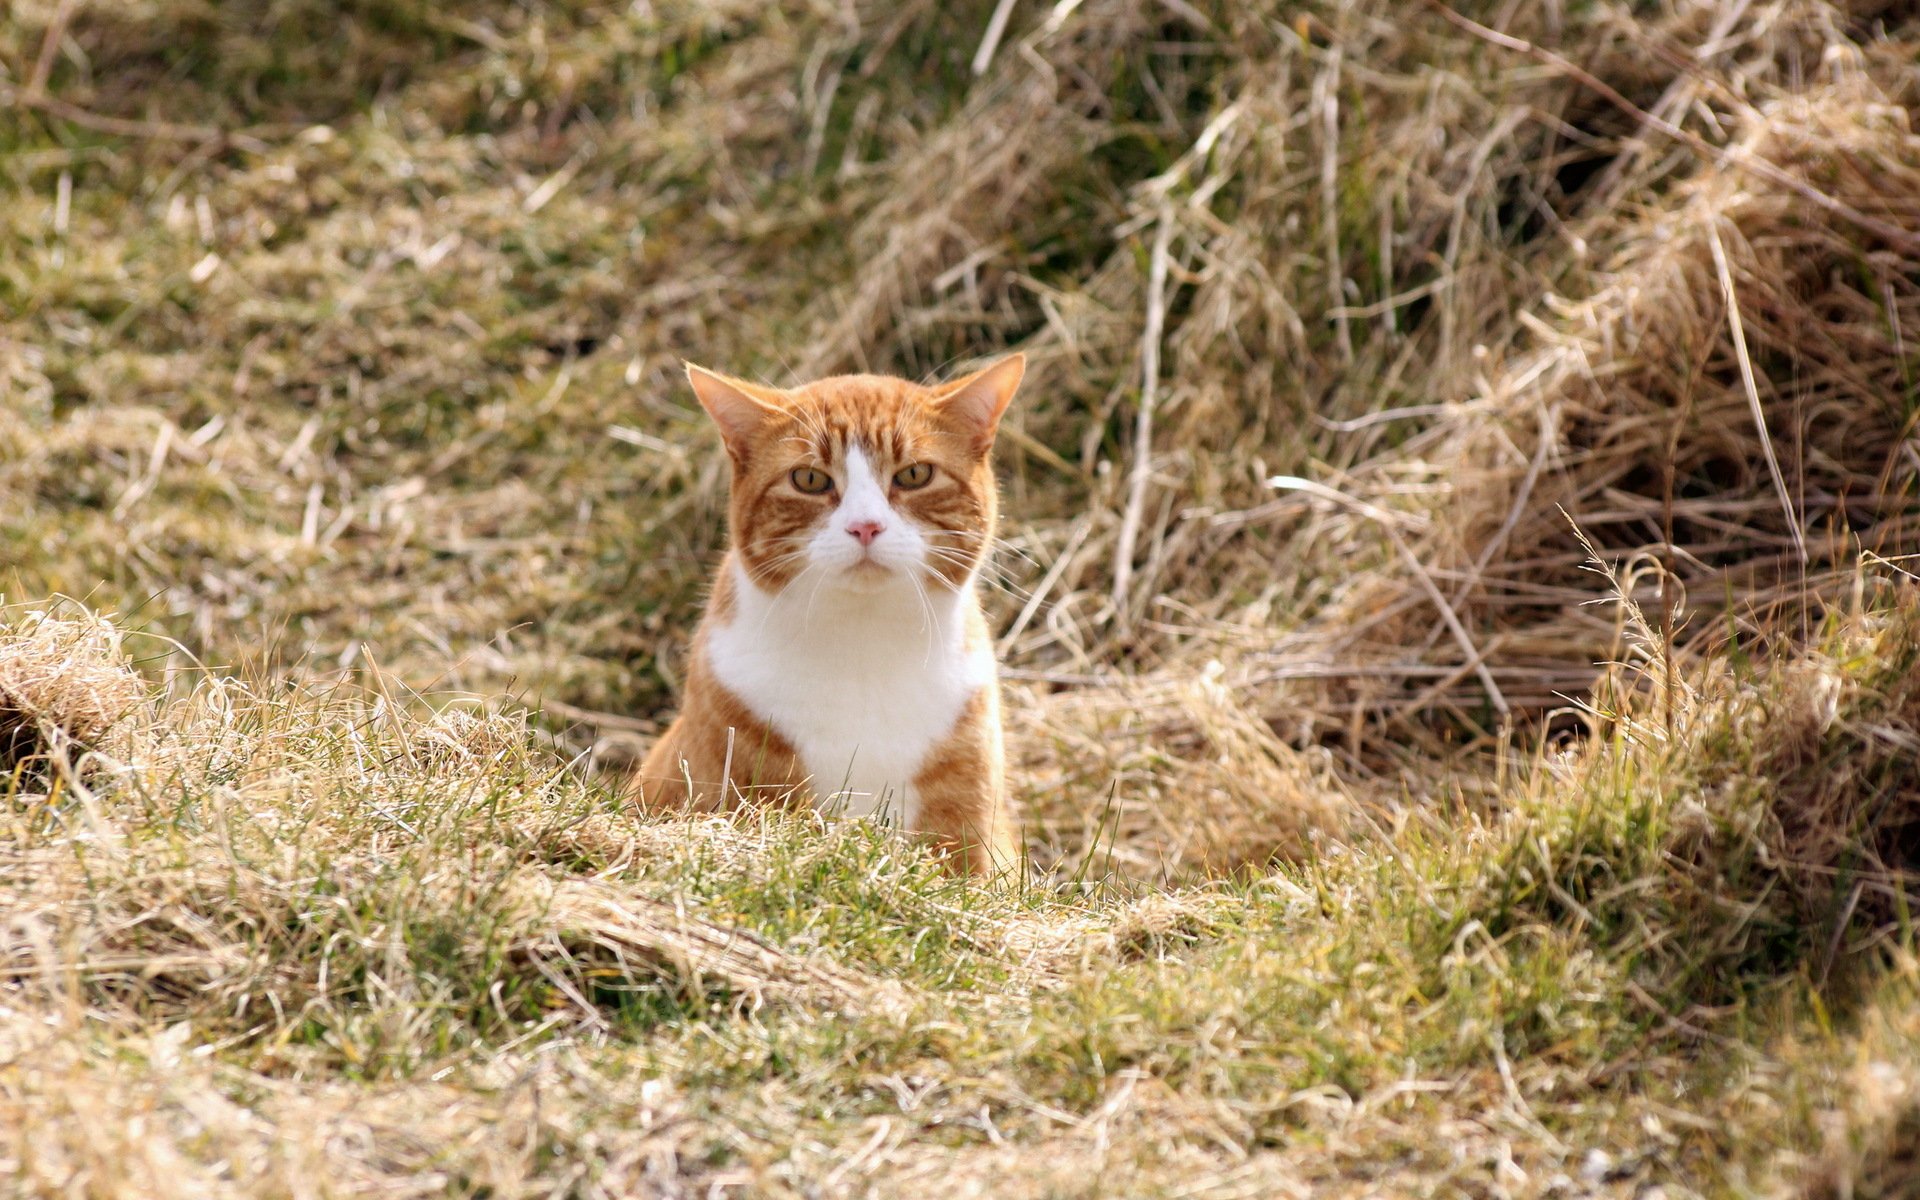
(340, 353)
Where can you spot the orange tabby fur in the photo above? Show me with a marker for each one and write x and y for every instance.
(723, 750)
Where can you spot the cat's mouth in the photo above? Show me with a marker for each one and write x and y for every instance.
(867, 573)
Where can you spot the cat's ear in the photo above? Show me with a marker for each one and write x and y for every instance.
(976, 402)
(739, 408)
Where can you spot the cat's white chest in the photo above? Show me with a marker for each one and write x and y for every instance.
(863, 685)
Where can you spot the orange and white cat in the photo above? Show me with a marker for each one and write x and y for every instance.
(843, 660)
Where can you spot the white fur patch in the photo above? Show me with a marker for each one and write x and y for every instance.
(832, 549)
(864, 677)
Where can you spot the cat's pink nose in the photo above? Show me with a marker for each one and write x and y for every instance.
(866, 531)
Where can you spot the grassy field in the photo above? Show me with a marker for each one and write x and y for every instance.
(1459, 597)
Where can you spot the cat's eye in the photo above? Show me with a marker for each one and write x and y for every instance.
(810, 481)
(918, 475)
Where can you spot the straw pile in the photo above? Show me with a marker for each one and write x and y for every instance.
(65, 689)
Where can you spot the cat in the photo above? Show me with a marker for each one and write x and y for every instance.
(843, 659)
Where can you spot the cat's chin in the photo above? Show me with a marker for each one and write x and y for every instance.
(869, 576)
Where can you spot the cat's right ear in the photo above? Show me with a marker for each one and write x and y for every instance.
(739, 408)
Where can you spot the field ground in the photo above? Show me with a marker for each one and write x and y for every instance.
(1465, 703)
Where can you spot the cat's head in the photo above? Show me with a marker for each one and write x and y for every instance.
(861, 481)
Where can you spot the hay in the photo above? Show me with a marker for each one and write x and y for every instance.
(1639, 389)
(1194, 783)
(65, 688)
(1825, 793)
(1711, 403)
(1873, 1139)
(588, 930)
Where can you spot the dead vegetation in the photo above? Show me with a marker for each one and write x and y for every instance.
(1456, 597)
(65, 690)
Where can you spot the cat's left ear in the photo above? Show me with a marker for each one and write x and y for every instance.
(976, 402)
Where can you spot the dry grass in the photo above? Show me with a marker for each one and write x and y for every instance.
(309, 934)
(1869, 1140)
(1488, 771)
(65, 690)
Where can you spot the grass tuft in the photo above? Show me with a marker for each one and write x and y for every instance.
(65, 689)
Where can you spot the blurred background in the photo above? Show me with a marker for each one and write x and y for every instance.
(344, 337)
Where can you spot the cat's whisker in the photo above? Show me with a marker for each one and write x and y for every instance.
(984, 554)
(794, 545)
(774, 564)
(989, 563)
(1000, 580)
(932, 378)
(957, 559)
(989, 571)
(814, 425)
(926, 618)
(903, 434)
(990, 567)
(800, 547)
(806, 619)
(803, 573)
(995, 544)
